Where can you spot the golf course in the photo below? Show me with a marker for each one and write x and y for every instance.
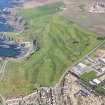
(61, 42)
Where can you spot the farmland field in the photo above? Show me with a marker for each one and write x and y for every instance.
(61, 42)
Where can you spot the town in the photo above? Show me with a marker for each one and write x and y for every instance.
(96, 7)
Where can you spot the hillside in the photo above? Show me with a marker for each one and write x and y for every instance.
(61, 42)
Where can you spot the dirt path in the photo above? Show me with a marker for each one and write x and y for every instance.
(2, 70)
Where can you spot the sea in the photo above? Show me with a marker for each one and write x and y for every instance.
(4, 26)
(7, 49)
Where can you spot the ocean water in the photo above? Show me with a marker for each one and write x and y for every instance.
(4, 27)
(8, 3)
(7, 49)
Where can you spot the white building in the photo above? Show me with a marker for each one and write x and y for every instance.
(102, 60)
(81, 66)
(102, 69)
(96, 81)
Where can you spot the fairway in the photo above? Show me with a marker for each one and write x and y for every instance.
(61, 43)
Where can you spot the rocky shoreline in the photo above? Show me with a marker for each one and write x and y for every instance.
(10, 15)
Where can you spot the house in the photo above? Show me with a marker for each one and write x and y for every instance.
(102, 60)
(81, 66)
(102, 69)
(96, 81)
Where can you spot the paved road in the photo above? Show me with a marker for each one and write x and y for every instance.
(2, 99)
(2, 75)
(70, 67)
(3, 69)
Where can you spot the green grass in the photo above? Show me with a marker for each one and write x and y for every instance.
(88, 76)
(61, 43)
(100, 89)
(42, 10)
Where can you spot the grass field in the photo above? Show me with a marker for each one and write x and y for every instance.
(61, 43)
(88, 76)
(43, 10)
